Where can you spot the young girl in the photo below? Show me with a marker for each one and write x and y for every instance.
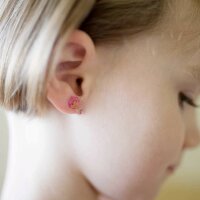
(100, 95)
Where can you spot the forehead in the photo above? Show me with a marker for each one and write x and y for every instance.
(181, 25)
(181, 17)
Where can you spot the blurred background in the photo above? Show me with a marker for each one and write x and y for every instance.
(3, 147)
(183, 185)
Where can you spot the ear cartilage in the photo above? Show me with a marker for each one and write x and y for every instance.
(74, 103)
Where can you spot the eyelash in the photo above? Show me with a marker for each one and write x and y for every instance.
(188, 100)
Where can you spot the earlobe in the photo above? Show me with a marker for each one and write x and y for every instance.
(65, 91)
(63, 98)
(74, 103)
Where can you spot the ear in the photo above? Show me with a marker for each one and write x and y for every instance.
(72, 78)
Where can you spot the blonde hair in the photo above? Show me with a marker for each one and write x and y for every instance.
(30, 30)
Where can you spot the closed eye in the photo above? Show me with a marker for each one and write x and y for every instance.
(184, 98)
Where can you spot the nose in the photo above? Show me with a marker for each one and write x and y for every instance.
(192, 139)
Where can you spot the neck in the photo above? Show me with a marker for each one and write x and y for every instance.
(40, 160)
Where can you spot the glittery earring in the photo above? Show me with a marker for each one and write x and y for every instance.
(74, 103)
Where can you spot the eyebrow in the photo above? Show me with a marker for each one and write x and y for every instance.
(194, 72)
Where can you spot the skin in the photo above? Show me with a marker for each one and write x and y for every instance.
(132, 127)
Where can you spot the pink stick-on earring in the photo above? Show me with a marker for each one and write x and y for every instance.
(74, 103)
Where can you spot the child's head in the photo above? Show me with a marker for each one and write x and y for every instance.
(129, 61)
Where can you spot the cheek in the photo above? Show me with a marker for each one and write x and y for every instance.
(125, 146)
(125, 153)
